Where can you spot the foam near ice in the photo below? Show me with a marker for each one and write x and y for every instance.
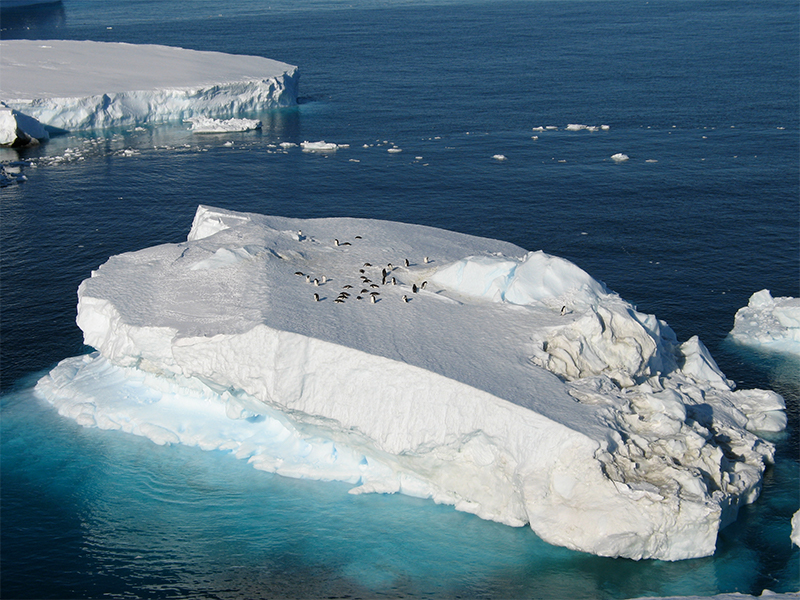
(69, 85)
(769, 323)
(510, 384)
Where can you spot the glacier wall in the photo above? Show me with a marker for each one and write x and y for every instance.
(568, 411)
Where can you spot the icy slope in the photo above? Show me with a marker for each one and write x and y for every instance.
(509, 384)
(69, 85)
(769, 323)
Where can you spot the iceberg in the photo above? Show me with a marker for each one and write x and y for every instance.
(66, 85)
(769, 323)
(407, 359)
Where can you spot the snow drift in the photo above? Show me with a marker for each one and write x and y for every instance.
(402, 358)
(69, 85)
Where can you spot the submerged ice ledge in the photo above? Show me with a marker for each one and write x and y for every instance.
(402, 358)
(67, 85)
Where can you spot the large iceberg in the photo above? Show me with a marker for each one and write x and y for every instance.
(769, 323)
(402, 358)
(65, 85)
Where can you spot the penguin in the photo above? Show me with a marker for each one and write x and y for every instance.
(405, 261)
(414, 288)
(372, 299)
(339, 300)
(424, 283)
(335, 242)
(358, 297)
(324, 279)
(316, 297)
(563, 310)
(364, 291)
(308, 278)
(316, 282)
(345, 243)
(405, 298)
(426, 260)
(348, 287)
(374, 285)
(358, 237)
(367, 265)
(361, 271)
(394, 281)
(389, 266)
(374, 293)
(299, 273)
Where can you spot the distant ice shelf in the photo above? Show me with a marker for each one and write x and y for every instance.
(63, 85)
(402, 358)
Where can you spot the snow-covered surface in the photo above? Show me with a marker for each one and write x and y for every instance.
(510, 384)
(769, 323)
(68, 85)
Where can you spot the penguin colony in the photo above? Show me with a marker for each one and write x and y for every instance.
(368, 288)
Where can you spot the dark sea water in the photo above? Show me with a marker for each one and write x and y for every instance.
(701, 95)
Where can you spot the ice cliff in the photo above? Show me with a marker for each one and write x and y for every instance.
(60, 85)
(402, 358)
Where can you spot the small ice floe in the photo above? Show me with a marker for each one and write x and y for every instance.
(288, 145)
(619, 157)
(207, 125)
(394, 150)
(499, 157)
(320, 146)
(579, 127)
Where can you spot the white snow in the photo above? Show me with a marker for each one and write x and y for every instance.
(206, 125)
(510, 384)
(795, 537)
(769, 323)
(68, 85)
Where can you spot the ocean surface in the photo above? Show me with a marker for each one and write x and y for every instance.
(701, 95)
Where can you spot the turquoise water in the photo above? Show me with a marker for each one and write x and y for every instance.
(706, 91)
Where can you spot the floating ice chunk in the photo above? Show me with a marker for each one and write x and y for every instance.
(499, 157)
(795, 537)
(615, 447)
(592, 128)
(619, 157)
(206, 125)
(17, 129)
(769, 323)
(394, 150)
(321, 146)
